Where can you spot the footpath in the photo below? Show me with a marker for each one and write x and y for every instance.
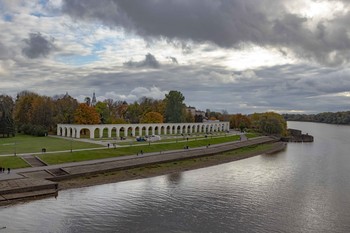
(43, 180)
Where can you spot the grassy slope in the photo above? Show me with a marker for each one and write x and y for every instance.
(99, 154)
(30, 144)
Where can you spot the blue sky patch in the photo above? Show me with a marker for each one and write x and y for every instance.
(76, 60)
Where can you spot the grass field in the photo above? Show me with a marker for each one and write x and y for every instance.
(12, 162)
(128, 150)
(30, 144)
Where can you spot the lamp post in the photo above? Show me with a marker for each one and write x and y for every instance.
(71, 145)
(15, 149)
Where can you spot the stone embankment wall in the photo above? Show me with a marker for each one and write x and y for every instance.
(295, 135)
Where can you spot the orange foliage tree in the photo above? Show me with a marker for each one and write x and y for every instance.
(239, 121)
(152, 117)
(86, 115)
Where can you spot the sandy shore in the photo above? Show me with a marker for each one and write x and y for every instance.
(171, 167)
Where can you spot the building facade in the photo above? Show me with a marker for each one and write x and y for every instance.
(73, 130)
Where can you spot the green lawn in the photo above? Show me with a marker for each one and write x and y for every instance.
(30, 144)
(128, 150)
(177, 138)
(12, 162)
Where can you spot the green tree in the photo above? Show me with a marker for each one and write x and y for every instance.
(102, 109)
(269, 123)
(174, 107)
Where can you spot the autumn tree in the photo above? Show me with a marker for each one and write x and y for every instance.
(269, 123)
(152, 117)
(42, 112)
(86, 115)
(33, 113)
(112, 111)
(7, 126)
(121, 108)
(239, 121)
(64, 109)
(174, 107)
(189, 117)
(23, 107)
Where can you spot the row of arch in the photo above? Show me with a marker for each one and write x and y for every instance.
(118, 130)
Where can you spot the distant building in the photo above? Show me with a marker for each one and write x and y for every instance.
(200, 113)
(191, 110)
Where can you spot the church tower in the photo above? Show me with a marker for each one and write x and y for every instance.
(93, 101)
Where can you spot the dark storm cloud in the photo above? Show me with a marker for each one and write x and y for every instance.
(225, 23)
(149, 62)
(37, 46)
(303, 87)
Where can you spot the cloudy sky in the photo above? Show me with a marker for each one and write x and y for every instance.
(242, 56)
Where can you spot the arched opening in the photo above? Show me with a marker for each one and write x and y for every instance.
(178, 130)
(144, 130)
(129, 132)
(168, 129)
(84, 133)
(122, 132)
(184, 129)
(97, 133)
(189, 129)
(138, 131)
(114, 132)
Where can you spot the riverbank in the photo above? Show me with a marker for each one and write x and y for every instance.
(171, 167)
(33, 182)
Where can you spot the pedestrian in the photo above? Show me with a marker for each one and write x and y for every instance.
(141, 152)
(0, 169)
(8, 170)
(108, 145)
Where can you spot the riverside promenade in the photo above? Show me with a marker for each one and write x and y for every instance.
(38, 181)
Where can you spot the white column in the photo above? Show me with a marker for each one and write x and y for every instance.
(92, 132)
(110, 131)
(78, 133)
(101, 132)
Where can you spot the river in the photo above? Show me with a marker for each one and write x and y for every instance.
(305, 188)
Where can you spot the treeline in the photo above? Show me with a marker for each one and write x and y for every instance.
(35, 114)
(270, 123)
(342, 118)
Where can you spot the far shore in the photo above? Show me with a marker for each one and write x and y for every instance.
(170, 167)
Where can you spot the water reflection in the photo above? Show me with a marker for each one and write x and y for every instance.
(174, 178)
